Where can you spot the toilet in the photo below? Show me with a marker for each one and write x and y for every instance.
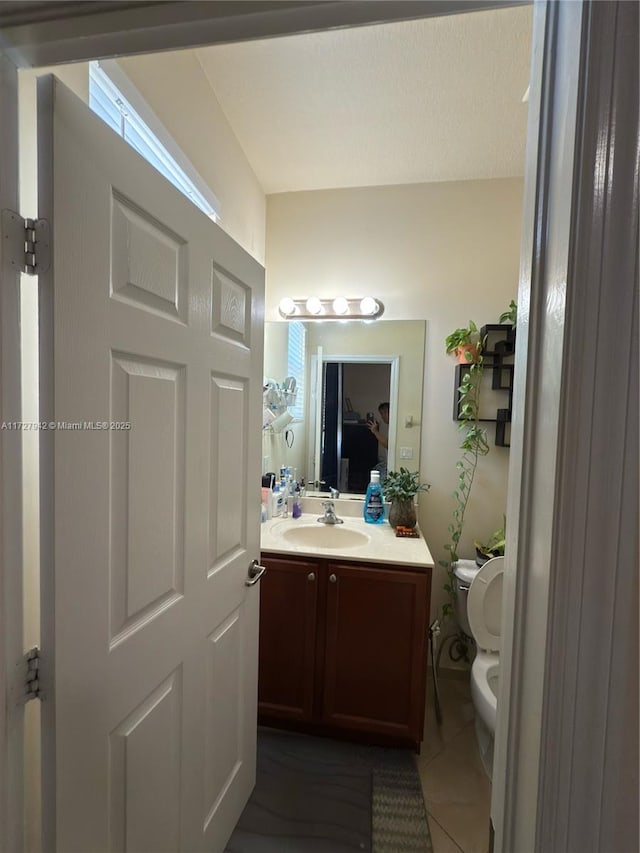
(479, 611)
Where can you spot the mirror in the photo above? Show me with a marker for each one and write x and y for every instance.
(349, 369)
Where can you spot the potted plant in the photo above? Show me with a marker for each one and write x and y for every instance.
(493, 547)
(400, 488)
(511, 315)
(465, 343)
(474, 445)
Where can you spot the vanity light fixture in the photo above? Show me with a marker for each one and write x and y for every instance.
(287, 306)
(338, 308)
(314, 306)
(340, 305)
(368, 306)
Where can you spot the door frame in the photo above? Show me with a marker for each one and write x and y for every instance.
(571, 735)
(318, 362)
(37, 38)
(541, 333)
(12, 669)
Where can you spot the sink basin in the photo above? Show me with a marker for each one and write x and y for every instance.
(326, 536)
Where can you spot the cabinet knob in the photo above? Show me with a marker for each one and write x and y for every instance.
(311, 576)
(333, 579)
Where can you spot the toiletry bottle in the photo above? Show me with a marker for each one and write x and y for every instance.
(267, 500)
(373, 511)
(276, 502)
(297, 504)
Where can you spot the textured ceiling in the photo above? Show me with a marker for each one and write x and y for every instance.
(438, 99)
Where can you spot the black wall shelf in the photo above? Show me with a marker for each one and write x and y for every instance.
(498, 353)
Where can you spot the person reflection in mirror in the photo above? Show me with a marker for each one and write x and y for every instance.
(380, 431)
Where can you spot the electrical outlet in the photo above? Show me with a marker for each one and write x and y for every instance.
(406, 453)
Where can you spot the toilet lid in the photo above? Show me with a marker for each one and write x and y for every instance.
(484, 605)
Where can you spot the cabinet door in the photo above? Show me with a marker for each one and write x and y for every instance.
(288, 617)
(375, 650)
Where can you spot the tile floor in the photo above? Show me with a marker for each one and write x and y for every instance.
(457, 792)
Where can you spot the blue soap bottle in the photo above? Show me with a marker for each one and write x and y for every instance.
(373, 511)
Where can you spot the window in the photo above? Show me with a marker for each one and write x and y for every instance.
(115, 99)
(296, 365)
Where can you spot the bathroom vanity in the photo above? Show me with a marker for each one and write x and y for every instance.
(344, 616)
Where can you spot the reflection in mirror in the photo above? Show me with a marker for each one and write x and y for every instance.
(354, 430)
(363, 365)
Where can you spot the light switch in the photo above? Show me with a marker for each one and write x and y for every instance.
(406, 453)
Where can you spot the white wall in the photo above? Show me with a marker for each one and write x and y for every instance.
(445, 253)
(178, 91)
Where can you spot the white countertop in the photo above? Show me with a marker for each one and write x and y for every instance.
(380, 546)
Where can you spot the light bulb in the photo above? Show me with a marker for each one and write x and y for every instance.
(287, 306)
(340, 305)
(314, 306)
(368, 305)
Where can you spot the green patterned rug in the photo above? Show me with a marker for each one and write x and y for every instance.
(316, 795)
(399, 818)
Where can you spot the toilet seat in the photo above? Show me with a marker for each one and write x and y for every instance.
(484, 605)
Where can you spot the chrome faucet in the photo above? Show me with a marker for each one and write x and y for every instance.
(335, 494)
(329, 516)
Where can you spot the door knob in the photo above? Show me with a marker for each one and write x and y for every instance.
(255, 573)
(333, 579)
(311, 576)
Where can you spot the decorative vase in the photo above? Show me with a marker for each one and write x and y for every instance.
(402, 513)
(467, 353)
(481, 558)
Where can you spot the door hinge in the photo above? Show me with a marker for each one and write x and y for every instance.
(26, 243)
(32, 678)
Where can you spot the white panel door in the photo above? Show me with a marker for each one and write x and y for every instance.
(151, 325)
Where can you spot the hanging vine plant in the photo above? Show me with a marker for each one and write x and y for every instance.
(474, 445)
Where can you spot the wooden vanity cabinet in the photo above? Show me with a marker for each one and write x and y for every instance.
(375, 650)
(288, 623)
(345, 653)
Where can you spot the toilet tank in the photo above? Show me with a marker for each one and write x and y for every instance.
(464, 571)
